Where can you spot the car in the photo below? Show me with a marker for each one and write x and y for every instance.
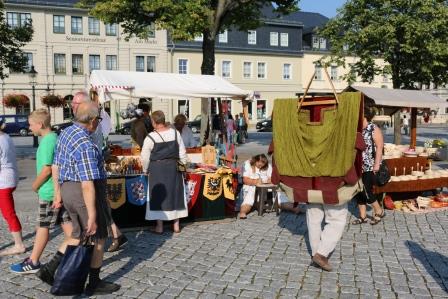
(195, 124)
(125, 128)
(59, 127)
(264, 125)
(16, 124)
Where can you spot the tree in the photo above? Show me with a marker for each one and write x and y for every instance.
(410, 36)
(12, 40)
(186, 19)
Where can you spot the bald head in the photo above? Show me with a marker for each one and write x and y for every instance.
(78, 98)
(86, 112)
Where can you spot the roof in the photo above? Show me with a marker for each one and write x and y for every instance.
(61, 3)
(113, 85)
(310, 20)
(400, 97)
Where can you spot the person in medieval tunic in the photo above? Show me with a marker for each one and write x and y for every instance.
(162, 150)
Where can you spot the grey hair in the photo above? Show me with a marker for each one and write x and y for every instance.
(85, 116)
(81, 96)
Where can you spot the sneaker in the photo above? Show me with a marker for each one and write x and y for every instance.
(117, 243)
(25, 267)
(101, 288)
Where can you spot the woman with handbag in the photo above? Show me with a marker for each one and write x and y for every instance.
(162, 155)
(371, 161)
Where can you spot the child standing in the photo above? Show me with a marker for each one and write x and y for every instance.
(8, 183)
(50, 207)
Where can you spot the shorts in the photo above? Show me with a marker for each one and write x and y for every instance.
(49, 217)
(74, 203)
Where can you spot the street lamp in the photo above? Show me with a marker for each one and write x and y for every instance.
(32, 74)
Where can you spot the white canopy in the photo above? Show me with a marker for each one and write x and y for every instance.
(113, 85)
(400, 97)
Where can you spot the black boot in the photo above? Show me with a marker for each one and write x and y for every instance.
(47, 271)
(96, 286)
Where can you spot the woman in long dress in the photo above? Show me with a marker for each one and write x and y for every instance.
(162, 149)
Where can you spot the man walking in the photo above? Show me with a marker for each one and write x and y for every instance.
(82, 177)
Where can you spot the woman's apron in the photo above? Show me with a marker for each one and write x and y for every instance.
(166, 185)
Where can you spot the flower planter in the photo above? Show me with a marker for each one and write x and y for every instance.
(53, 101)
(15, 100)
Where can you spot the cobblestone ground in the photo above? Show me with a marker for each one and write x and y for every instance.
(405, 256)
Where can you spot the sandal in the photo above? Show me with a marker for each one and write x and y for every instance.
(377, 218)
(359, 220)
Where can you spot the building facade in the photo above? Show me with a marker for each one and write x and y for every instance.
(67, 45)
(265, 61)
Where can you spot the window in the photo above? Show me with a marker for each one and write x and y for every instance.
(182, 107)
(318, 74)
(247, 70)
(152, 31)
(345, 47)
(261, 109)
(59, 63)
(29, 61)
(261, 74)
(286, 71)
(94, 62)
(183, 66)
(315, 42)
(15, 19)
(12, 19)
(77, 64)
(76, 25)
(140, 63)
(94, 26)
(273, 38)
(446, 110)
(334, 73)
(111, 29)
(322, 43)
(284, 39)
(252, 37)
(226, 69)
(222, 37)
(58, 24)
(150, 64)
(111, 62)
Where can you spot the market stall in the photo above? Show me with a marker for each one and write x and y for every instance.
(211, 177)
(410, 166)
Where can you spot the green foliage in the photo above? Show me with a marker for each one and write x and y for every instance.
(11, 42)
(411, 36)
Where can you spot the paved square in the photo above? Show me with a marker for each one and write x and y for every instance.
(405, 256)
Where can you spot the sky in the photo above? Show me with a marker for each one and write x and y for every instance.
(325, 7)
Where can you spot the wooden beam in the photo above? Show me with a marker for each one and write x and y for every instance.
(413, 128)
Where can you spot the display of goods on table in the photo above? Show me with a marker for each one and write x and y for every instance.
(124, 165)
(393, 151)
(420, 204)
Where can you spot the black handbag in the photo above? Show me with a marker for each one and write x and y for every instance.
(73, 270)
(382, 176)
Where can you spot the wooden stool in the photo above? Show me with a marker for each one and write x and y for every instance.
(261, 198)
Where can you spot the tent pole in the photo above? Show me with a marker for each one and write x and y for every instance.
(413, 128)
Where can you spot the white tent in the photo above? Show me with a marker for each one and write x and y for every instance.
(115, 85)
(400, 97)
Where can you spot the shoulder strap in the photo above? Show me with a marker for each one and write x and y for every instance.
(160, 135)
(372, 126)
(151, 138)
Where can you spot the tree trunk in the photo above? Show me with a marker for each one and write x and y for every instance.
(397, 120)
(207, 68)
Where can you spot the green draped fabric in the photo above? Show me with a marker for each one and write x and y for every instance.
(325, 148)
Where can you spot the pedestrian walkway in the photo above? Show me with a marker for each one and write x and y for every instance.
(405, 256)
